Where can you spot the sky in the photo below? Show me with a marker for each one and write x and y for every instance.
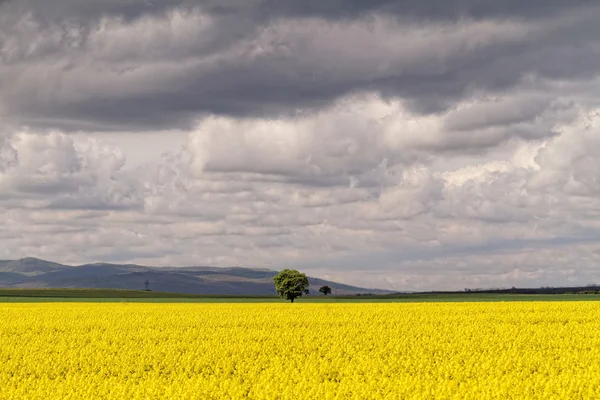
(402, 145)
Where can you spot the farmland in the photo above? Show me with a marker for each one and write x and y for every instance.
(436, 350)
(113, 295)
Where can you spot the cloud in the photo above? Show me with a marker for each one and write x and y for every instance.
(451, 9)
(339, 9)
(335, 188)
(418, 145)
(51, 170)
(138, 70)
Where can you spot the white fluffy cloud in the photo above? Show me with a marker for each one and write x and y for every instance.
(53, 170)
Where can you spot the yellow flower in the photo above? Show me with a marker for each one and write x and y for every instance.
(536, 350)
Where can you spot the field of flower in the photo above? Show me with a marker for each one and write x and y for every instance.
(516, 350)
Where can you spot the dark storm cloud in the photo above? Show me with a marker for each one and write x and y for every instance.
(439, 9)
(90, 10)
(329, 9)
(62, 67)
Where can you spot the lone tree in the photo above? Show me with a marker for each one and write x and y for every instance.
(147, 283)
(291, 284)
(325, 290)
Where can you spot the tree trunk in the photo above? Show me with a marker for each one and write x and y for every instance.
(292, 299)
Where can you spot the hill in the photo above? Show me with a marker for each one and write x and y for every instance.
(35, 273)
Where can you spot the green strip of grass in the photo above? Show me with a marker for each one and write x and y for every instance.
(113, 295)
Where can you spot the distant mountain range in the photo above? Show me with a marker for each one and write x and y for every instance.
(35, 273)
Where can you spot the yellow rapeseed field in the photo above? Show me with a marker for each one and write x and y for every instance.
(542, 350)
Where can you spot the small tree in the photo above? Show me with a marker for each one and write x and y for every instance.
(325, 290)
(291, 284)
(147, 283)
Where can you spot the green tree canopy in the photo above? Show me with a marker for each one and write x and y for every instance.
(290, 284)
(325, 290)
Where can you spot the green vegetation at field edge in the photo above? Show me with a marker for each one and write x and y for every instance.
(114, 295)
